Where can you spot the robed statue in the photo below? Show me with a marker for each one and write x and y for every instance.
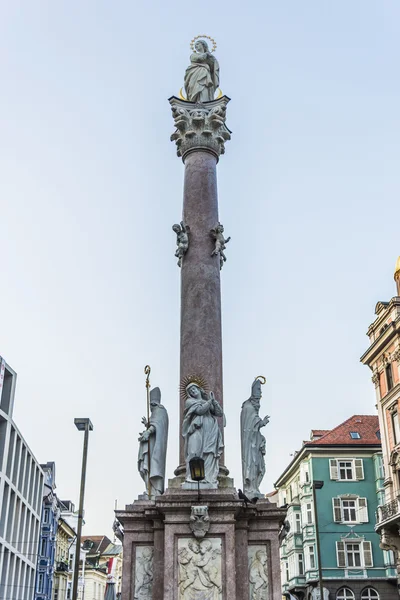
(253, 442)
(202, 76)
(153, 440)
(200, 429)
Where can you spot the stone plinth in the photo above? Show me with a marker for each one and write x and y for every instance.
(163, 560)
(200, 137)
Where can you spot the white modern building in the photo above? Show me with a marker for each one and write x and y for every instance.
(21, 487)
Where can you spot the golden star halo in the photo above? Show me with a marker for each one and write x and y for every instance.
(198, 37)
(197, 379)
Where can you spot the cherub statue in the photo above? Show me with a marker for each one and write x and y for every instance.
(182, 240)
(220, 243)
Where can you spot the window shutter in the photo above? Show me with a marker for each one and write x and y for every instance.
(340, 554)
(304, 513)
(367, 552)
(333, 466)
(337, 510)
(362, 510)
(358, 463)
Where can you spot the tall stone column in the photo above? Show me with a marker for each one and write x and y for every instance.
(200, 137)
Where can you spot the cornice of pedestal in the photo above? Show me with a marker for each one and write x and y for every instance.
(200, 126)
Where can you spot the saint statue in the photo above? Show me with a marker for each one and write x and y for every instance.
(202, 76)
(154, 440)
(253, 443)
(203, 437)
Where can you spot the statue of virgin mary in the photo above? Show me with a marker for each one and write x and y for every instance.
(202, 76)
(203, 437)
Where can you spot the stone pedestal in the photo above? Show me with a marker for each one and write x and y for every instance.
(165, 558)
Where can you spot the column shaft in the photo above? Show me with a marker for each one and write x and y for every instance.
(201, 336)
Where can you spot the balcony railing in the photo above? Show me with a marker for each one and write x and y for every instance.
(387, 511)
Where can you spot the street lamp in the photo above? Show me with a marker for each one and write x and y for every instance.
(196, 466)
(317, 485)
(86, 426)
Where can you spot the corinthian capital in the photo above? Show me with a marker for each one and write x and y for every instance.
(375, 378)
(396, 355)
(200, 126)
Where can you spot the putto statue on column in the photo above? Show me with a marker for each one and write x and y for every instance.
(182, 240)
(220, 243)
(253, 442)
(153, 446)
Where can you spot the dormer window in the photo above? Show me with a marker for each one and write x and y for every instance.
(355, 435)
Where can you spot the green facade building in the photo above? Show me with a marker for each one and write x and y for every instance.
(348, 460)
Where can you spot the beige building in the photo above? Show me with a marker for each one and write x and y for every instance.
(103, 563)
(64, 537)
(383, 358)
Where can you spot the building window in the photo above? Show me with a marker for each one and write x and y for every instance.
(56, 594)
(395, 427)
(369, 594)
(287, 571)
(40, 582)
(46, 515)
(346, 470)
(300, 563)
(345, 594)
(298, 522)
(309, 514)
(349, 511)
(43, 547)
(355, 435)
(389, 377)
(311, 557)
(353, 554)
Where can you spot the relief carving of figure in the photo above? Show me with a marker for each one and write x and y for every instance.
(182, 240)
(144, 573)
(199, 571)
(220, 243)
(154, 440)
(200, 429)
(202, 76)
(253, 443)
(258, 576)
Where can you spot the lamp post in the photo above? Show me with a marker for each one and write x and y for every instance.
(317, 485)
(86, 426)
(196, 466)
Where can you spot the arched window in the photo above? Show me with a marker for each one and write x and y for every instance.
(345, 594)
(369, 594)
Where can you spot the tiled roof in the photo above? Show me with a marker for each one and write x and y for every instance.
(318, 432)
(366, 425)
(100, 543)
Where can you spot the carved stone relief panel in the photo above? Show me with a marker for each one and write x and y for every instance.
(144, 573)
(200, 569)
(258, 572)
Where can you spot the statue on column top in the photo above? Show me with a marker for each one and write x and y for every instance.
(253, 442)
(202, 76)
(203, 437)
(154, 440)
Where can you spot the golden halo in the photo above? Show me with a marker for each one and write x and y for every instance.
(197, 379)
(261, 379)
(198, 37)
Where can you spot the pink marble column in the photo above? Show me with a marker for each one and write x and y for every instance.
(201, 342)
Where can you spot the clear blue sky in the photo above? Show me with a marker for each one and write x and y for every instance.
(90, 186)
